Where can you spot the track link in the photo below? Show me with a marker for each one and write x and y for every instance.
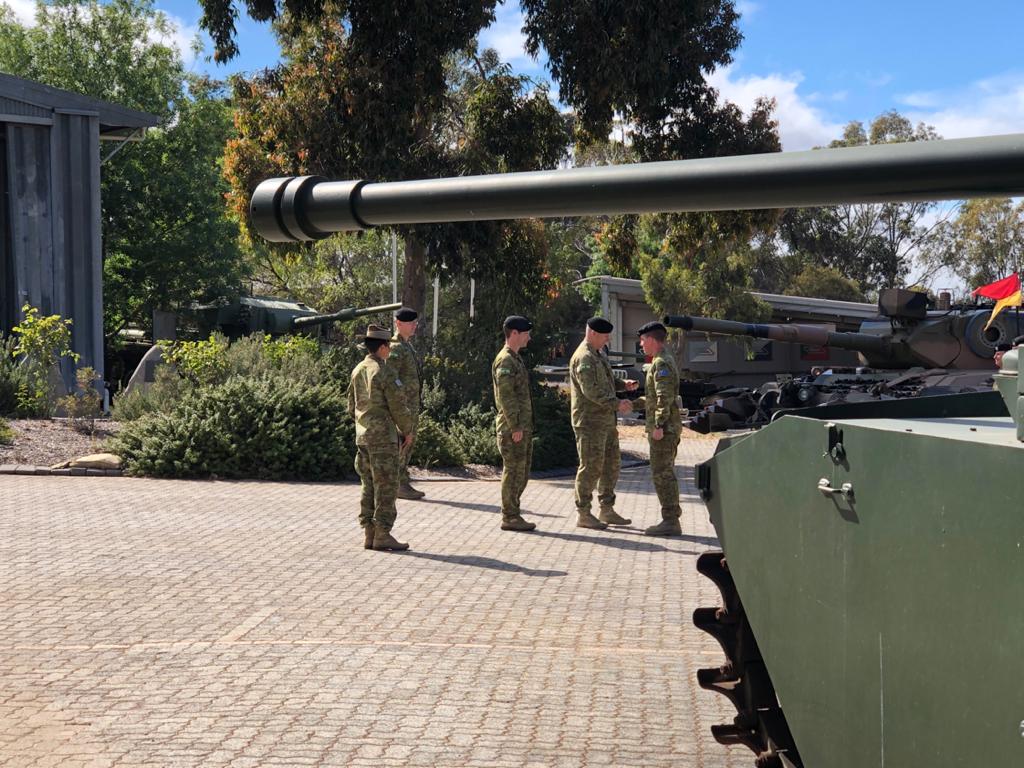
(759, 724)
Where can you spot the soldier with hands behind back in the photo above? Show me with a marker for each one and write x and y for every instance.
(378, 404)
(595, 403)
(406, 363)
(663, 424)
(514, 422)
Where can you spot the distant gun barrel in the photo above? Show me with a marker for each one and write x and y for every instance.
(811, 335)
(300, 208)
(350, 313)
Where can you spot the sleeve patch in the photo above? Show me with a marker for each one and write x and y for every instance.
(662, 373)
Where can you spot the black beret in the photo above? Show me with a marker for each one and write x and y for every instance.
(517, 323)
(654, 325)
(405, 314)
(599, 325)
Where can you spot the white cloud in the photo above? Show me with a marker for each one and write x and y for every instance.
(24, 11)
(746, 9)
(181, 37)
(986, 107)
(506, 36)
(801, 125)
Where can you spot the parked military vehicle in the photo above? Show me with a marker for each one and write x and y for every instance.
(263, 314)
(907, 352)
(872, 576)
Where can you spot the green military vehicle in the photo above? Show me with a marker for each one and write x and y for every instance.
(872, 571)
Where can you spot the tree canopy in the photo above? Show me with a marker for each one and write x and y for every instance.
(873, 244)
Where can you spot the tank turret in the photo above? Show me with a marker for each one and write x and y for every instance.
(904, 335)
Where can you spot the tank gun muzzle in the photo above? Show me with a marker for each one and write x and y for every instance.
(289, 209)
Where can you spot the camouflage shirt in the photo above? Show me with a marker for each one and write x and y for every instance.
(661, 387)
(593, 388)
(404, 360)
(511, 392)
(377, 403)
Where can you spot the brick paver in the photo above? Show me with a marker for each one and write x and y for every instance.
(159, 623)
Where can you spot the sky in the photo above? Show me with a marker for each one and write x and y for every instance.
(953, 65)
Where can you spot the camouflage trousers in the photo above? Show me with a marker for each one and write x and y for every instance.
(404, 456)
(516, 459)
(378, 474)
(663, 472)
(598, 449)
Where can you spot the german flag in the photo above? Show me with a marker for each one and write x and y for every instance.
(1006, 293)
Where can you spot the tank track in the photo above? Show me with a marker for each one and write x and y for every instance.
(759, 724)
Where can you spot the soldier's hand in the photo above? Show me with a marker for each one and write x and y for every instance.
(625, 407)
(406, 442)
(632, 385)
(658, 433)
(517, 436)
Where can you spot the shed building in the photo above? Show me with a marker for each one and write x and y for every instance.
(52, 146)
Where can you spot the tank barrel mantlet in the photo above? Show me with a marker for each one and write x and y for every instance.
(300, 208)
(811, 335)
(350, 313)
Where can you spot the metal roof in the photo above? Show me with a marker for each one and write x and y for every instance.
(25, 101)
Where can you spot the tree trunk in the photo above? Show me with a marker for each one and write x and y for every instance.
(414, 277)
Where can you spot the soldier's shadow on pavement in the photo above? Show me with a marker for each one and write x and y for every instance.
(607, 541)
(475, 561)
(479, 507)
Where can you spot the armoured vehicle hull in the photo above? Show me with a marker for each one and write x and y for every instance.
(888, 615)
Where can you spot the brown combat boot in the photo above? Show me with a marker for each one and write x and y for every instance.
(587, 520)
(406, 491)
(383, 540)
(667, 527)
(368, 536)
(516, 523)
(611, 517)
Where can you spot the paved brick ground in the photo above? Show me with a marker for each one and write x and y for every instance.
(155, 623)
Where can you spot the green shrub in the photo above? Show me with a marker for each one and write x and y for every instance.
(12, 375)
(202, 362)
(6, 433)
(41, 341)
(84, 405)
(472, 430)
(245, 428)
(159, 397)
(554, 444)
(434, 447)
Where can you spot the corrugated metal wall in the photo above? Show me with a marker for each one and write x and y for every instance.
(53, 220)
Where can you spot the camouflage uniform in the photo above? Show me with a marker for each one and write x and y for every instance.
(406, 363)
(515, 413)
(377, 402)
(594, 404)
(660, 390)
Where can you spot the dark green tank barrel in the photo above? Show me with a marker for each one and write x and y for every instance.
(350, 313)
(311, 207)
(811, 335)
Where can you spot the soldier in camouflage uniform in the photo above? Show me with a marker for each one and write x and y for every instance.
(406, 363)
(377, 403)
(663, 424)
(594, 405)
(514, 422)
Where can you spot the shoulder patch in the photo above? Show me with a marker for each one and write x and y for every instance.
(662, 373)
